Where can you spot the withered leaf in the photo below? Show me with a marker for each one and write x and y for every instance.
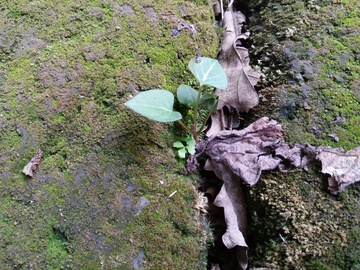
(245, 152)
(260, 146)
(231, 198)
(234, 58)
(344, 168)
(31, 166)
(298, 155)
(240, 93)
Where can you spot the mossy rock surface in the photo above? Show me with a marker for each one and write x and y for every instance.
(98, 198)
(309, 52)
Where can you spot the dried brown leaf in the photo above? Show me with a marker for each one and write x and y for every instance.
(31, 166)
(247, 152)
(234, 58)
(231, 198)
(344, 168)
(244, 152)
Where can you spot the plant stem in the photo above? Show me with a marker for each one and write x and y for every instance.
(187, 128)
(196, 109)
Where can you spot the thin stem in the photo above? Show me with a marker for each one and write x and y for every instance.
(185, 127)
(196, 108)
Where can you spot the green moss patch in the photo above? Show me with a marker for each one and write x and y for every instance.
(295, 224)
(312, 72)
(308, 51)
(67, 68)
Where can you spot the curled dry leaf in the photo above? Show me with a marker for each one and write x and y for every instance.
(231, 198)
(344, 168)
(234, 58)
(31, 166)
(240, 93)
(246, 152)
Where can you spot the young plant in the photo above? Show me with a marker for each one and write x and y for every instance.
(187, 145)
(157, 104)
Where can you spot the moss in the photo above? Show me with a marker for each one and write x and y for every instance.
(67, 68)
(301, 226)
(56, 250)
(295, 222)
(324, 66)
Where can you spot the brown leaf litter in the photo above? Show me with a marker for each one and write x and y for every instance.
(261, 146)
(241, 155)
(237, 156)
(32, 165)
(234, 58)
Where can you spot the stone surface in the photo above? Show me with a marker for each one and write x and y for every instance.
(94, 201)
(310, 88)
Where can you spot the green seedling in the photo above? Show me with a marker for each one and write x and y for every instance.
(157, 104)
(188, 147)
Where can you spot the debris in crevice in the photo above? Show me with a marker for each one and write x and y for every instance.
(237, 156)
(234, 58)
(231, 198)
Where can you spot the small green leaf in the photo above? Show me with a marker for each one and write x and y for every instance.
(208, 71)
(190, 141)
(182, 153)
(190, 144)
(155, 104)
(186, 95)
(191, 149)
(178, 144)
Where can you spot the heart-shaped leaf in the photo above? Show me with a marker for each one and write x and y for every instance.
(208, 71)
(190, 141)
(186, 95)
(155, 104)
